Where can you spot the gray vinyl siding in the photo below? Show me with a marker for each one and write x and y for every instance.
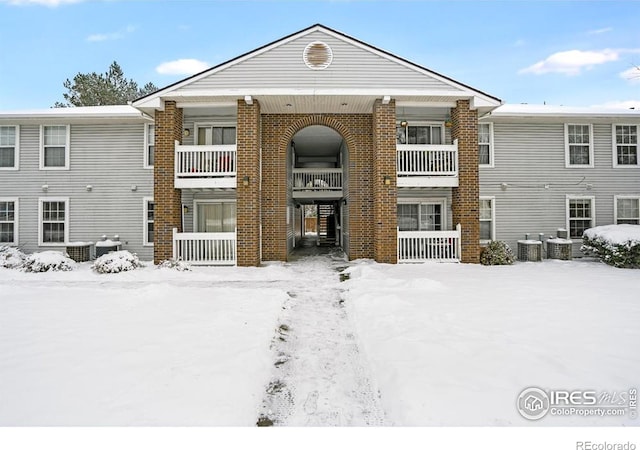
(109, 158)
(283, 67)
(529, 156)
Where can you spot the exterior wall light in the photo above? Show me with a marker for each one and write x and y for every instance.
(185, 209)
(386, 180)
(245, 180)
(404, 124)
(134, 187)
(186, 132)
(89, 188)
(45, 187)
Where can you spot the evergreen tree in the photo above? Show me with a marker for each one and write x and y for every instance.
(110, 88)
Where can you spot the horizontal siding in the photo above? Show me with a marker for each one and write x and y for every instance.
(107, 157)
(283, 67)
(530, 156)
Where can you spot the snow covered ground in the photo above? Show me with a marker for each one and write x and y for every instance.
(428, 344)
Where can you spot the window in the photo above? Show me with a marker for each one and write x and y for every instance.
(580, 215)
(218, 217)
(149, 144)
(487, 219)
(9, 221)
(9, 147)
(216, 135)
(626, 145)
(54, 147)
(430, 134)
(54, 229)
(428, 216)
(578, 145)
(149, 218)
(485, 144)
(627, 210)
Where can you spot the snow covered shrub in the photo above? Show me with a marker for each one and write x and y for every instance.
(175, 264)
(116, 262)
(616, 245)
(48, 261)
(11, 257)
(497, 253)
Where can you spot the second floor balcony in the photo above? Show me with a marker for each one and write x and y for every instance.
(427, 165)
(205, 166)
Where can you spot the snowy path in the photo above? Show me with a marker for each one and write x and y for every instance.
(320, 378)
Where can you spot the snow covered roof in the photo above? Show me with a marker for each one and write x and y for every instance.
(81, 113)
(526, 110)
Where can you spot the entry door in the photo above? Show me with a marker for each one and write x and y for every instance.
(216, 217)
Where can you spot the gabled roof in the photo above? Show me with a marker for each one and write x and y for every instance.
(406, 72)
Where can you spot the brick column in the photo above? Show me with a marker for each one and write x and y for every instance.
(385, 196)
(167, 199)
(466, 201)
(248, 196)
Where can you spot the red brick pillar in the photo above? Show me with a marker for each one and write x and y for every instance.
(248, 190)
(385, 190)
(167, 199)
(466, 201)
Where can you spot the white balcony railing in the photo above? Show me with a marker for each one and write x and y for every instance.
(322, 181)
(205, 166)
(436, 163)
(421, 246)
(211, 249)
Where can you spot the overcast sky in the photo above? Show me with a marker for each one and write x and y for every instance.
(558, 52)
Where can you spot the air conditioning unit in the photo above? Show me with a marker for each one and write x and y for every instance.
(529, 250)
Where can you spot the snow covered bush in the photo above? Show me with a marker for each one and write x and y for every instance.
(11, 257)
(497, 253)
(616, 245)
(48, 261)
(175, 264)
(116, 262)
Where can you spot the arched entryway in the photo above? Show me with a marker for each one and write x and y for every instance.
(351, 157)
(318, 185)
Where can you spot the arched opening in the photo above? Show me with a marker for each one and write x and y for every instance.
(317, 159)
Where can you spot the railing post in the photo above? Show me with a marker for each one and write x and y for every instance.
(175, 243)
(455, 169)
(459, 242)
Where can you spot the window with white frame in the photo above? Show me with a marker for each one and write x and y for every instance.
(485, 144)
(578, 145)
(423, 216)
(426, 133)
(627, 210)
(149, 144)
(54, 221)
(487, 219)
(626, 145)
(580, 215)
(9, 147)
(54, 148)
(9, 221)
(215, 135)
(215, 217)
(149, 218)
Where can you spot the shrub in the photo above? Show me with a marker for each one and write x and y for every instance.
(175, 264)
(48, 261)
(116, 262)
(616, 245)
(11, 257)
(497, 253)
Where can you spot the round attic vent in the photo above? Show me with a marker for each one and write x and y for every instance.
(317, 55)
